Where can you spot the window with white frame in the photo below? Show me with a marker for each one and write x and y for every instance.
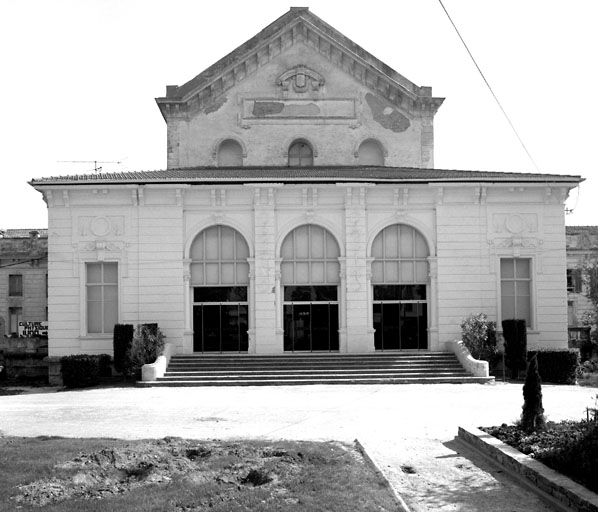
(516, 289)
(102, 297)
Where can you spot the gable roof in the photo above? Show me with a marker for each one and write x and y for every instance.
(319, 174)
(297, 25)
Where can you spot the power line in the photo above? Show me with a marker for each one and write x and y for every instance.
(489, 88)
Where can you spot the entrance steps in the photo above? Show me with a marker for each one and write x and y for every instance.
(315, 368)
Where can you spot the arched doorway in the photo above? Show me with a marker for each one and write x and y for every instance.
(310, 276)
(220, 278)
(399, 279)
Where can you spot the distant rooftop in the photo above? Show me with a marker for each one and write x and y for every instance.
(22, 233)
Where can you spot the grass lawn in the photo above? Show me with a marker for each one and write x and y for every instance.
(182, 475)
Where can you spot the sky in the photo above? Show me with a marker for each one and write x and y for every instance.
(80, 78)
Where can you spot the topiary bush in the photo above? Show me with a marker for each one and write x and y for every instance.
(121, 342)
(80, 370)
(479, 336)
(532, 415)
(557, 366)
(147, 345)
(514, 333)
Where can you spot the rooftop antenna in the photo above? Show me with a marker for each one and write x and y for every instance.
(96, 168)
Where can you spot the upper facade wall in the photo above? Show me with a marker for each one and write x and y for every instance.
(301, 93)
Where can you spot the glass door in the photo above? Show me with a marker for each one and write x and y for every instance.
(220, 317)
(310, 318)
(400, 317)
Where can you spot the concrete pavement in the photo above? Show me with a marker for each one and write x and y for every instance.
(401, 426)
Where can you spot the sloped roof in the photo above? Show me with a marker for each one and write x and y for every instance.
(297, 25)
(320, 174)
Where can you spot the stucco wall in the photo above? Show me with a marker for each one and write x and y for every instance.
(148, 230)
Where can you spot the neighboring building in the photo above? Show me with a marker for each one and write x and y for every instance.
(582, 250)
(23, 279)
(301, 211)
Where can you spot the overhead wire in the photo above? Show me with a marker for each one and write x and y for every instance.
(489, 87)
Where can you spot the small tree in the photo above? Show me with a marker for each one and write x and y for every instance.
(532, 416)
(479, 336)
(147, 345)
(515, 345)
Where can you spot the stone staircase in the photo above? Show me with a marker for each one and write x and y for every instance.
(315, 368)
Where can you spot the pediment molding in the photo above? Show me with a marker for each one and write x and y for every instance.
(298, 26)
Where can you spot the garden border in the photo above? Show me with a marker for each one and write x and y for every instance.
(546, 482)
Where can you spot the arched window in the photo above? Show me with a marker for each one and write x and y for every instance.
(230, 154)
(301, 154)
(370, 152)
(399, 278)
(310, 278)
(219, 278)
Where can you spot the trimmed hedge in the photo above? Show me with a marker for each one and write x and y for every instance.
(83, 370)
(514, 333)
(121, 343)
(557, 366)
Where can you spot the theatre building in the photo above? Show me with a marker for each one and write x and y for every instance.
(301, 211)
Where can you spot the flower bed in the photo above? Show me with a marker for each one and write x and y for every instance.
(569, 447)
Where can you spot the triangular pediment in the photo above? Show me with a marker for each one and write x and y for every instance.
(298, 26)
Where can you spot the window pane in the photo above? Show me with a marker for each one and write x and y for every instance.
(286, 272)
(391, 242)
(212, 273)
(522, 288)
(421, 247)
(94, 293)
(508, 308)
(110, 316)
(317, 242)
(407, 274)
(302, 272)
(15, 285)
(377, 247)
(94, 272)
(302, 242)
(110, 273)
(242, 248)
(197, 273)
(317, 272)
(377, 272)
(522, 268)
(332, 250)
(508, 288)
(507, 268)
(227, 241)
(227, 273)
(391, 272)
(211, 240)
(196, 252)
(286, 251)
(94, 317)
(407, 250)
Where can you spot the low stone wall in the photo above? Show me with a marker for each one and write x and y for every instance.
(555, 486)
(474, 366)
(23, 359)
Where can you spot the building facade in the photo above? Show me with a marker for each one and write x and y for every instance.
(301, 211)
(23, 280)
(582, 251)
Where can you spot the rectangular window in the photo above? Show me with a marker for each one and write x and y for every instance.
(102, 297)
(515, 285)
(15, 285)
(15, 315)
(574, 280)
